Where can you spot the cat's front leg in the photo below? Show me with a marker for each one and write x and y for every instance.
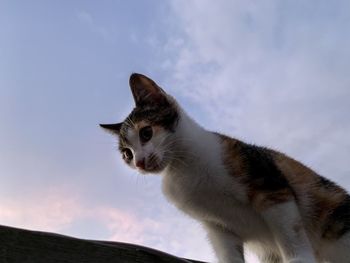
(227, 246)
(288, 230)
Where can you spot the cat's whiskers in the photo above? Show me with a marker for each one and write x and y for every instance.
(170, 147)
(177, 159)
(153, 159)
(174, 143)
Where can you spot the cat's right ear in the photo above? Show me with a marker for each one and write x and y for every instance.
(146, 92)
(112, 128)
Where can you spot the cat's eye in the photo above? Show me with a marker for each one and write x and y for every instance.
(127, 154)
(146, 133)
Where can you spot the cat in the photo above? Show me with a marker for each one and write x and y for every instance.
(245, 196)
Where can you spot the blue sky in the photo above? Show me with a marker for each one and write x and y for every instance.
(274, 73)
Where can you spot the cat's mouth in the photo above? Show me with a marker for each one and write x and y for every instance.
(153, 165)
(151, 169)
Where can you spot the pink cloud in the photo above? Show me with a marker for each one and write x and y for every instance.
(123, 226)
(61, 210)
(57, 210)
(50, 211)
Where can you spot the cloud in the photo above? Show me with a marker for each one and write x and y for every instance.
(179, 235)
(122, 226)
(60, 210)
(56, 210)
(159, 226)
(270, 73)
(49, 211)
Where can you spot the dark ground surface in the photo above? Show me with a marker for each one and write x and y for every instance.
(25, 246)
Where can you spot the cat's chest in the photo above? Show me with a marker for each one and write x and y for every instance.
(193, 195)
(212, 198)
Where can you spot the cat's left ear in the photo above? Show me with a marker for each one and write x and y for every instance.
(146, 91)
(112, 128)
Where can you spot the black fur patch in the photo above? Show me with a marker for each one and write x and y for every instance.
(162, 115)
(338, 222)
(262, 172)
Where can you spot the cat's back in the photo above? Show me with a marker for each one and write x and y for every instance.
(255, 168)
(271, 178)
(325, 204)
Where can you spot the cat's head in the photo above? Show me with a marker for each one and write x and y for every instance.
(146, 136)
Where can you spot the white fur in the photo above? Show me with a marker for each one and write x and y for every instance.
(295, 246)
(199, 185)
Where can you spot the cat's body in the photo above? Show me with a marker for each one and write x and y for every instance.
(242, 194)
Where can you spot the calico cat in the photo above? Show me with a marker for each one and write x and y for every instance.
(243, 195)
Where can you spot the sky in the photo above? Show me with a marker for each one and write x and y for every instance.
(272, 73)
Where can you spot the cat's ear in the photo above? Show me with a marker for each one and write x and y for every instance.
(146, 91)
(112, 128)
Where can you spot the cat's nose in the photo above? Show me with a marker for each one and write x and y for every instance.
(141, 164)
